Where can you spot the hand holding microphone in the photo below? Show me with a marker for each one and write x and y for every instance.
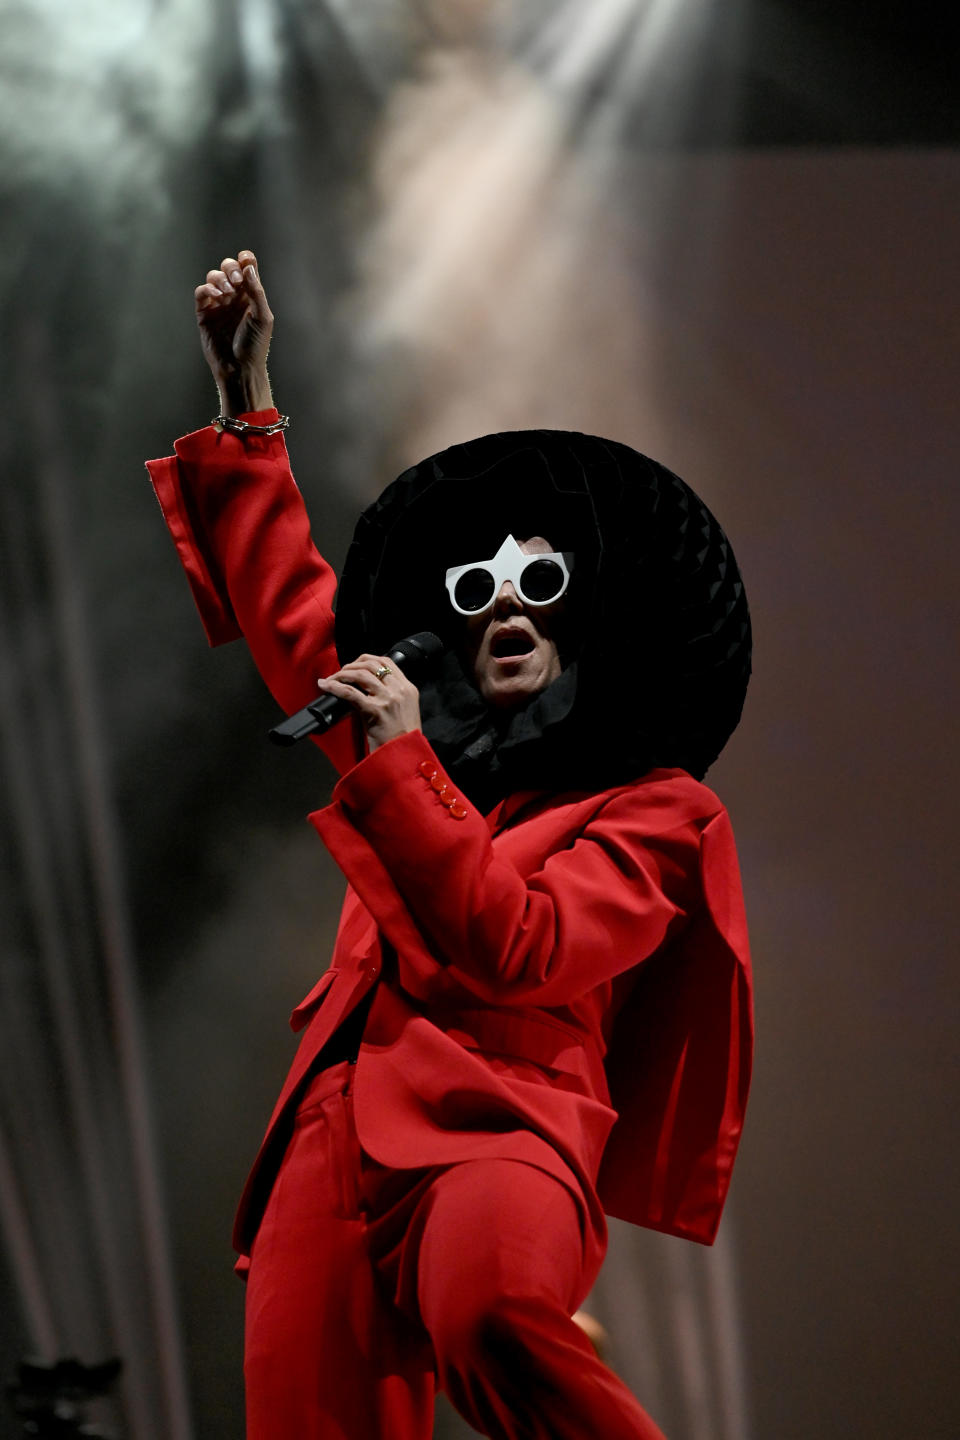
(379, 688)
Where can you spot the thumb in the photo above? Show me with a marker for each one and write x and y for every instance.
(251, 280)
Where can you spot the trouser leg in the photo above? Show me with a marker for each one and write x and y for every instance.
(500, 1270)
(327, 1356)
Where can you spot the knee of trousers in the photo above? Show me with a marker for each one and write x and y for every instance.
(475, 1333)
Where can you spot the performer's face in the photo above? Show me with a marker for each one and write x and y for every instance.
(511, 648)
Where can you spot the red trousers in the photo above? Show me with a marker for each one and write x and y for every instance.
(369, 1287)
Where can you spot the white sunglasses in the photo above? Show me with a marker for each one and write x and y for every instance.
(537, 579)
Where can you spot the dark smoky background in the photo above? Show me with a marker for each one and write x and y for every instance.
(726, 235)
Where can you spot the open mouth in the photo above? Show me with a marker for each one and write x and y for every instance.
(509, 647)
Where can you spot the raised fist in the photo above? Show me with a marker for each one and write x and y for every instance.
(234, 318)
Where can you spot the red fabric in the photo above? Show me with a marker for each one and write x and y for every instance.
(572, 958)
(243, 538)
(365, 1281)
(326, 1354)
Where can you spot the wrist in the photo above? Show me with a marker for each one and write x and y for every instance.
(244, 391)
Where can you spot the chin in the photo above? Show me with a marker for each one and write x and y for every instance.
(506, 699)
(511, 692)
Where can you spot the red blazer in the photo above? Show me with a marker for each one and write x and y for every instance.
(565, 982)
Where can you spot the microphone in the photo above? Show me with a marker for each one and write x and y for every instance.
(416, 656)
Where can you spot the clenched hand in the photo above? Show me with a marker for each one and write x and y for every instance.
(236, 324)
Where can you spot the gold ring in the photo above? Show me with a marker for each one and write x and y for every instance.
(382, 670)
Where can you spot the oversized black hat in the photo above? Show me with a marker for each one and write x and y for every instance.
(657, 654)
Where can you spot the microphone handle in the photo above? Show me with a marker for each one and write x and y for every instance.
(415, 656)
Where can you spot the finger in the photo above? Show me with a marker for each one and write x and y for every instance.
(354, 696)
(208, 297)
(231, 268)
(252, 285)
(362, 665)
(364, 674)
(373, 663)
(219, 281)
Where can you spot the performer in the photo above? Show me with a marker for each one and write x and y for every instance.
(538, 1008)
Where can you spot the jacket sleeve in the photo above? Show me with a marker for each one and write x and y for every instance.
(595, 909)
(241, 530)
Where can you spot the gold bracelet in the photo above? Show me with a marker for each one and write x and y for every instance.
(243, 427)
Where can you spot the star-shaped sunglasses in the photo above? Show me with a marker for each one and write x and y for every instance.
(538, 579)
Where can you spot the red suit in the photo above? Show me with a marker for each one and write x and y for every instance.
(561, 988)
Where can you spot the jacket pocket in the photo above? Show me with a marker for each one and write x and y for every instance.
(303, 1012)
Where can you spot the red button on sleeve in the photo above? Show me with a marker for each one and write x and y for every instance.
(458, 811)
(446, 796)
(437, 781)
(427, 769)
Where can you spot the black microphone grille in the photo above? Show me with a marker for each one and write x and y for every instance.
(417, 652)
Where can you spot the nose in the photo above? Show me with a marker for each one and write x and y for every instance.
(507, 601)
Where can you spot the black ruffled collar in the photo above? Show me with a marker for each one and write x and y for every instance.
(489, 753)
